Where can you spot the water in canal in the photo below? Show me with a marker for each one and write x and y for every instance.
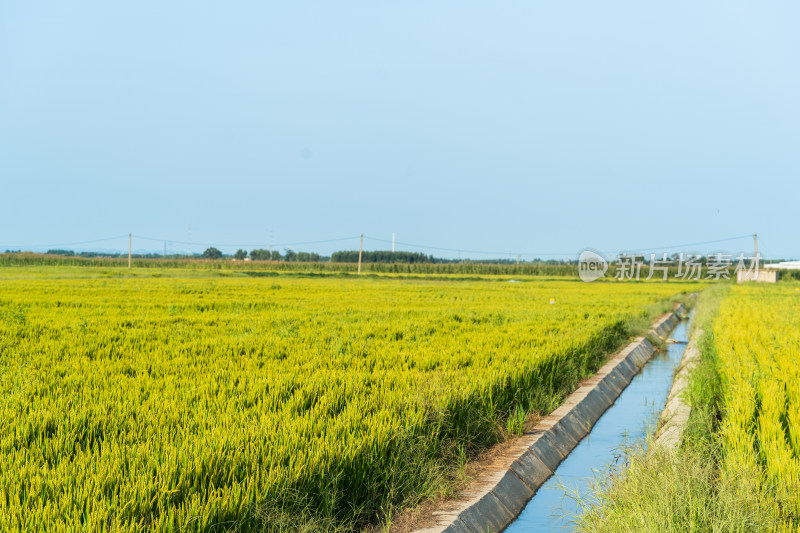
(627, 420)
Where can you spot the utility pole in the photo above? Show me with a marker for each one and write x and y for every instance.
(517, 259)
(130, 235)
(755, 243)
(360, 248)
(392, 242)
(189, 248)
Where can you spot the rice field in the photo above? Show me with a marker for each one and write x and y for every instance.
(757, 337)
(189, 402)
(738, 468)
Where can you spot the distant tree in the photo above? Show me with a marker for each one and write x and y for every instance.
(261, 255)
(378, 256)
(240, 254)
(307, 257)
(291, 255)
(212, 253)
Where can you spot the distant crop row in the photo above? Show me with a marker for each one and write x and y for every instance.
(467, 267)
(203, 404)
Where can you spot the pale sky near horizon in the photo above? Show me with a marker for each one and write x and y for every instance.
(510, 127)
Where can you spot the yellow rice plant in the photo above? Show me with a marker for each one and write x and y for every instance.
(209, 403)
(757, 336)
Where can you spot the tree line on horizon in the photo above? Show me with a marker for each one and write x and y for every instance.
(341, 256)
(289, 255)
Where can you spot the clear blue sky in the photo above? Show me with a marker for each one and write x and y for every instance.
(498, 126)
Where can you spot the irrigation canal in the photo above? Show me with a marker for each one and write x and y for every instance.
(552, 508)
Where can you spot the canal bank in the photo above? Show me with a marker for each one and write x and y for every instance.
(555, 503)
(494, 500)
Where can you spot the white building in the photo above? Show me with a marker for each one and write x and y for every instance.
(785, 265)
(763, 274)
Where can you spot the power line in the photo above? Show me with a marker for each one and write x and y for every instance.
(248, 245)
(458, 250)
(748, 236)
(67, 243)
(557, 254)
(407, 244)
